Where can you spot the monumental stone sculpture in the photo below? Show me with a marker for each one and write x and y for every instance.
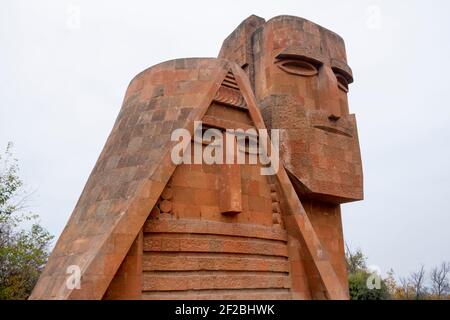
(147, 226)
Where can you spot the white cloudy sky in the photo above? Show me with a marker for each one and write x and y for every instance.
(62, 84)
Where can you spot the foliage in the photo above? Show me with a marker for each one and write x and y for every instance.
(413, 287)
(23, 252)
(357, 283)
(358, 278)
(356, 261)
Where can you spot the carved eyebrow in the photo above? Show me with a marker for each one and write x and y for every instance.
(302, 53)
(343, 69)
(315, 57)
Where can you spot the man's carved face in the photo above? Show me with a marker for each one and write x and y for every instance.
(301, 82)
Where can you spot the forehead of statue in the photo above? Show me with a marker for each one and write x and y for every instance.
(300, 39)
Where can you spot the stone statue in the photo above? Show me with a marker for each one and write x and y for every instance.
(149, 227)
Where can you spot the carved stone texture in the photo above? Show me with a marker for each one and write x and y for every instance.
(147, 228)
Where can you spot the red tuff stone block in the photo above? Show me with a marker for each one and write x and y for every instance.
(230, 195)
(165, 206)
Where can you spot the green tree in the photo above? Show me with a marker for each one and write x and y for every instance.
(359, 290)
(23, 252)
(363, 284)
(356, 260)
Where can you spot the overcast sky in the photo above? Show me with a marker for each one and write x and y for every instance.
(65, 66)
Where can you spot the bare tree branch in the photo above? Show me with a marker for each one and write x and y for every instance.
(417, 280)
(439, 280)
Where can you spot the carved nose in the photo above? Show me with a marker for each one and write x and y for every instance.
(328, 92)
(333, 117)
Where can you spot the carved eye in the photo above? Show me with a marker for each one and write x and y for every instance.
(342, 82)
(298, 67)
